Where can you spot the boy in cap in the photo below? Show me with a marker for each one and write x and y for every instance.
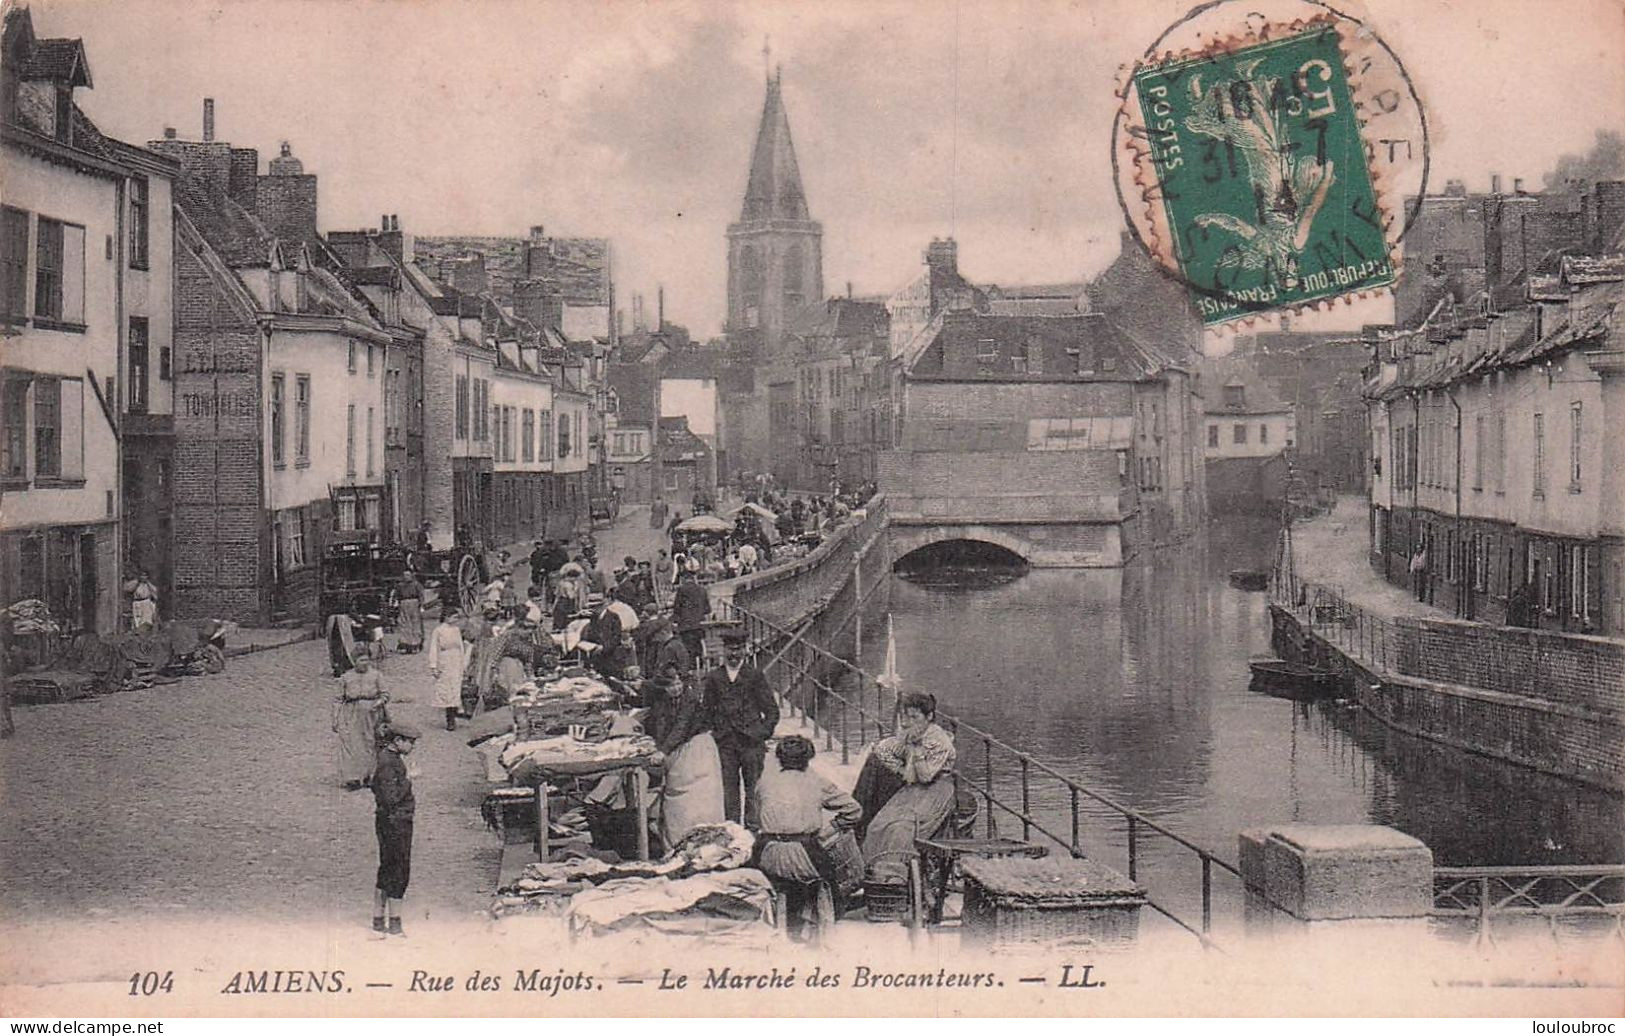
(395, 808)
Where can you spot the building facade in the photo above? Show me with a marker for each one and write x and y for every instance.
(1248, 434)
(1491, 492)
(280, 366)
(1062, 429)
(65, 252)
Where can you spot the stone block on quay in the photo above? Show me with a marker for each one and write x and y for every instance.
(1337, 872)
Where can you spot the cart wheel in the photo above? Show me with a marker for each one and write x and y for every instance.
(468, 583)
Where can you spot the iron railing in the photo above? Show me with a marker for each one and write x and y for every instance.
(1481, 894)
(849, 708)
(1363, 635)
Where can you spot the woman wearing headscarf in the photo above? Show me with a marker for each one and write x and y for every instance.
(921, 755)
(677, 720)
(356, 717)
(447, 660)
(409, 626)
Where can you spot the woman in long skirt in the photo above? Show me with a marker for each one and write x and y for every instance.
(356, 717)
(922, 754)
(692, 793)
(409, 626)
(448, 658)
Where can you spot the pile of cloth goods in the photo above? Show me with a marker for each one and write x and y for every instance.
(529, 761)
(551, 888)
(505, 807)
(557, 705)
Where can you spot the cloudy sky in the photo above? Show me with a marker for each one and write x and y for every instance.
(634, 120)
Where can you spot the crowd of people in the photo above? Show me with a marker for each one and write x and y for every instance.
(713, 722)
(768, 528)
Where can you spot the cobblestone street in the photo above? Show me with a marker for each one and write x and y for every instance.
(213, 804)
(220, 794)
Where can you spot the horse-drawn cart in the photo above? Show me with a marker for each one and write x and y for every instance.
(363, 579)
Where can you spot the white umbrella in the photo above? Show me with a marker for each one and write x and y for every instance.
(704, 523)
(756, 509)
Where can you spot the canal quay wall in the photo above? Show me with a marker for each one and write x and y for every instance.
(1552, 702)
(828, 588)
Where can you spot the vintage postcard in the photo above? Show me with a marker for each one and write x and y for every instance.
(970, 508)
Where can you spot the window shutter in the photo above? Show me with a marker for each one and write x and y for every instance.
(72, 428)
(73, 274)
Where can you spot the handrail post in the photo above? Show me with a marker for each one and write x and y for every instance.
(1207, 893)
(1076, 850)
(846, 757)
(1026, 802)
(1483, 909)
(987, 782)
(1133, 849)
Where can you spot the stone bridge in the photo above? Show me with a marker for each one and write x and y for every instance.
(1074, 544)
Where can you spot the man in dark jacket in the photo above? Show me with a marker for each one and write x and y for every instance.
(743, 713)
(689, 609)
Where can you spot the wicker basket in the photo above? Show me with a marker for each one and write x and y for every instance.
(1020, 901)
(885, 902)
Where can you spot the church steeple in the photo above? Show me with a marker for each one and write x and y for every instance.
(775, 254)
(774, 190)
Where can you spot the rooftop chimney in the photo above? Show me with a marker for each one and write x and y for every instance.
(383, 224)
(660, 308)
(1517, 185)
(208, 118)
(536, 232)
(169, 133)
(1495, 183)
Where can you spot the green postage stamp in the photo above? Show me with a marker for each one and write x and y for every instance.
(1256, 160)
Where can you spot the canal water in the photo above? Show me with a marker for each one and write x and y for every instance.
(1135, 683)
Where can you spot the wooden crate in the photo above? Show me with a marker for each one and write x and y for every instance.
(1021, 901)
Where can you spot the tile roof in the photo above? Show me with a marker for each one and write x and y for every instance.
(59, 60)
(1221, 372)
(636, 386)
(238, 237)
(1084, 347)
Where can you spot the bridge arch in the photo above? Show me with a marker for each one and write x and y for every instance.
(907, 541)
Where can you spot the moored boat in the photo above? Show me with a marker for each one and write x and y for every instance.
(1281, 678)
(1249, 579)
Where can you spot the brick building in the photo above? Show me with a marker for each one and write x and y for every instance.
(279, 374)
(75, 278)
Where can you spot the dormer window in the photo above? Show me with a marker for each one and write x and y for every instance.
(64, 114)
(1235, 396)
